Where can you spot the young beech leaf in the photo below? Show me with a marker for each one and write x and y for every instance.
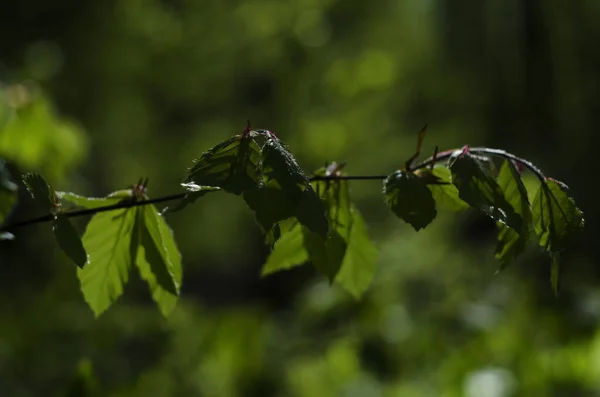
(410, 199)
(511, 242)
(555, 216)
(289, 249)
(281, 170)
(68, 240)
(95, 202)
(164, 259)
(40, 190)
(445, 194)
(194, 193)
(8, 193)
(326, 255)
(358, 267)
(231, 165)
(107, 240)
(159, 263)
(480, 190)
(284, 191)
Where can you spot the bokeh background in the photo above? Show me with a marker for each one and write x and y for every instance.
(114, 90)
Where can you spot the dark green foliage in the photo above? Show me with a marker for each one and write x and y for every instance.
(555, 216)
(68, 240)
(410, 199)
(304, 219)
(347, 255)
(480, 190)
(284, 191)
(231, 165)
(512, 242)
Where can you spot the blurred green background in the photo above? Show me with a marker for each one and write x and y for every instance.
(108, 91)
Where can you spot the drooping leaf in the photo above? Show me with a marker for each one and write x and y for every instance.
(230, 165)
(40, 190)
(510, 245)
(159, 264)
(271, 206)
(164, 263)
(8, 193)
(325, 255)
(480, 190)
(107, 241)
(194, 193)
(288, 250)
(410, 199)
(358, 266)
(445, 194)
(68, 240)
(555, 216)
(511, 242)
(95, 202)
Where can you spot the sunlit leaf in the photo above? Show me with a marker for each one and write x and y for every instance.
(288, 251)
(410, 199)
(107, 241)
(480, 190)
(445, 194)
(230, 165)
(164, 263)
(95, 202)
(358, 266)
(157, 257)
(8, 193)
(555, 216)
(68, 240)
(40, 190)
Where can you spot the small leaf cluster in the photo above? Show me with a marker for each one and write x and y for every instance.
(305, 218)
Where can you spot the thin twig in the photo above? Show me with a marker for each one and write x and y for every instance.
(438, 157)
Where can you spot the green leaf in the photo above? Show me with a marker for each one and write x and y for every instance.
(555, 216)
(194, 193)
(69, 241)
(510, 245)
(157, 258)
(107, 241)
(95, 202)
(325, 255)
(271, 206)
(480, 190)
(8, 193)
(165, 260)
(410, 199)
(289, 249)
(231, 165)
(360, 261)
(511, 242)
(445, 194)
(40, 190)
(289, 191)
